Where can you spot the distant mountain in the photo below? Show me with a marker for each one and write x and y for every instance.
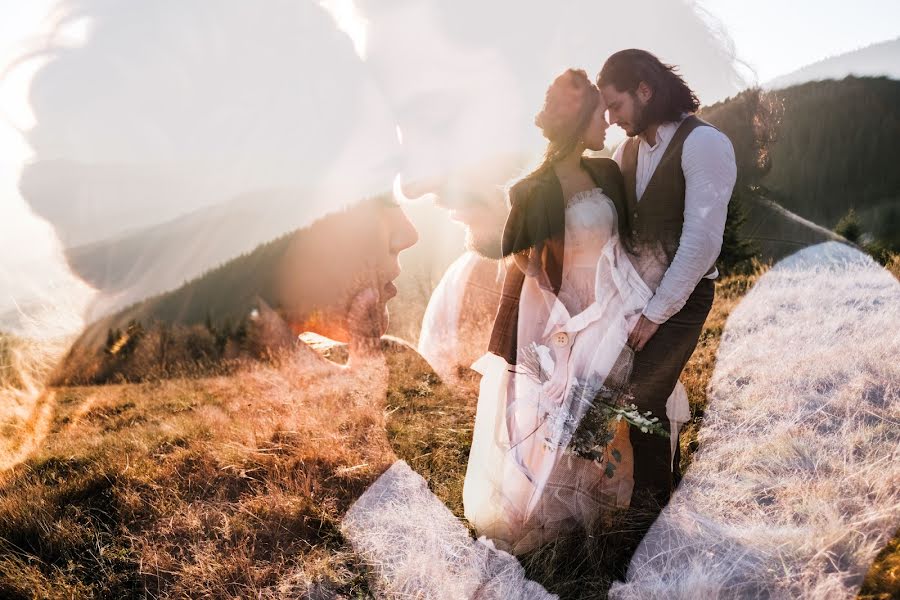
(881, 59)
(133, 231)
(133, 266)
(756, 225)
(88, 202)
(821, 161)
(226, 294)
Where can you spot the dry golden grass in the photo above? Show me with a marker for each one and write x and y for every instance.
(883, 579)
(699, 369)
(228, 487)
(893, 265)
(220, 487)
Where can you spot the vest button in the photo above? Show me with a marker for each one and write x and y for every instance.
(635, 214)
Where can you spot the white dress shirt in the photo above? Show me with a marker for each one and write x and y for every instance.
(710, 172)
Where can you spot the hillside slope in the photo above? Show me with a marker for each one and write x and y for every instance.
(138, 264)
(837, 148)
(776, 232)
(235, 486)
(881, 59)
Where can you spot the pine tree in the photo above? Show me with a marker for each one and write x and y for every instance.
(849, 227)
(111, 338)
(737, 252)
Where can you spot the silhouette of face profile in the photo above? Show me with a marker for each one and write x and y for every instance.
(463, 78)
(155, 162)
(326, 267)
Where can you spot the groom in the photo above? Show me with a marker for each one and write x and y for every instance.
(679, 174)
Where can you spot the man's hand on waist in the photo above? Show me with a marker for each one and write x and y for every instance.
(641, 334)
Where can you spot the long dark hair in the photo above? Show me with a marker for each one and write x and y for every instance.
(672, 97)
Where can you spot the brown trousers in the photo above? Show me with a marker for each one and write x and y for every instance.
(656, 371)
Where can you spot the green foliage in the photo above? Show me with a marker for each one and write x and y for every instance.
(751, 121)
(882, 223)
(880, 247)
(737, 252)
(838, 149)
(849, 227)
(121, 344)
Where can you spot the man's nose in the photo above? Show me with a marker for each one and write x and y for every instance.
(403, 233)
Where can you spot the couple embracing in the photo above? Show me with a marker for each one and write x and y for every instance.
(609, 279)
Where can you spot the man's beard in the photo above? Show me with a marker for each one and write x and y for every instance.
(639, 121)
(486, 246)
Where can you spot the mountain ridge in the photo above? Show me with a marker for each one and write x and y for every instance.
(878, 59)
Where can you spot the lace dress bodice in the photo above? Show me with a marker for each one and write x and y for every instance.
(590, 222)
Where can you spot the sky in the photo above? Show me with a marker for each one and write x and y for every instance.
(777, 37)
(772, 37)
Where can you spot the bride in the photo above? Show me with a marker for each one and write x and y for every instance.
(550, 450)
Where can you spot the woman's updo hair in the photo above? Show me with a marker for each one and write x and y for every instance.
(570, 104)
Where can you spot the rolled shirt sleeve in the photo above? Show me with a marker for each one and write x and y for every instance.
(710, 173)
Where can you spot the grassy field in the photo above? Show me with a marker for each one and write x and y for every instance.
(234, 486)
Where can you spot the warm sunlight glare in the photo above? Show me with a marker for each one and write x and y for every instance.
(402, 198)
(350, 21)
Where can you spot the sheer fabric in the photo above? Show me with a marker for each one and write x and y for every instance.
(457, 322)
(524, 485)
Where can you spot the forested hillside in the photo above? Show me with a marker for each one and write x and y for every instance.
(837, 148)
(818, 150)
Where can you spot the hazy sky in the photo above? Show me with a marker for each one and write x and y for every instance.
(773, 37)
(780, 36)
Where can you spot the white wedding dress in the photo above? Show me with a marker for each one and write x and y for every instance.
(522, 487)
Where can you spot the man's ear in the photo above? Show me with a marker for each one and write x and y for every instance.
(644, 92)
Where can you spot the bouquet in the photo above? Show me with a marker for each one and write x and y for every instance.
(584, 423)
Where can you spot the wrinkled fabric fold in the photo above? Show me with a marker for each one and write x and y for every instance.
(524, 485)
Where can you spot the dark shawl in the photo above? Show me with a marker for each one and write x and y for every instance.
(538, 215)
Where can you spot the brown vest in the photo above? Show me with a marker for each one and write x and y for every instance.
(659, 216)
